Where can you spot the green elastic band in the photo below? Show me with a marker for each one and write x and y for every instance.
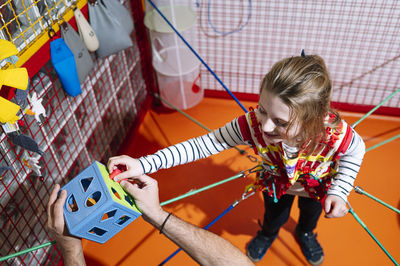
(373, 237)
(376, 107)
(381, 143)
(193, 192)
(27, 250)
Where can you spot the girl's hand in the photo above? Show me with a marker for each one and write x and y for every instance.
(335, 207)
(133, 167)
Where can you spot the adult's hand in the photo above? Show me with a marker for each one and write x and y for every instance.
(71, 247)
(145, 192)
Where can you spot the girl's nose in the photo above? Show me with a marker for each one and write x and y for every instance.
(268, 125)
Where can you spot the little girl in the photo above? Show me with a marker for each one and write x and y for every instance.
(306, 148)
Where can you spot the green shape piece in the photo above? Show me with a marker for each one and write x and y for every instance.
(117, 187)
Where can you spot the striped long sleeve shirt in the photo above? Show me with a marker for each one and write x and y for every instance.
(229, 136)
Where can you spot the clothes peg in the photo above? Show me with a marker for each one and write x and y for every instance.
(8, 111)
(14, 77)
(7, 49)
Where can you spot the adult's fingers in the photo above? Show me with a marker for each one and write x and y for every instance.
(123, 175)
(145, 179)
(132, 189)
(52, 198)
(58, 208)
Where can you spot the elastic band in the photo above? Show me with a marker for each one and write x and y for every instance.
(163, 224)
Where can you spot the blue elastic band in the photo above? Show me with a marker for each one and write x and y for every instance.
(208, 226)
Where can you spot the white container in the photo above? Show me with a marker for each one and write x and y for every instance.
(182, 17)
(177, 74)
(177, 68)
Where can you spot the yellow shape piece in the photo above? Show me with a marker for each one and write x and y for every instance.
(92, 201)
(29, 112)
(16, 78)
(8, 111)
(7, 49)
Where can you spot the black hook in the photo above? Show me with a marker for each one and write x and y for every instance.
(51, 33)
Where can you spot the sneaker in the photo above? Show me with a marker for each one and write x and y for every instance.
(310, 246)
(259, 245)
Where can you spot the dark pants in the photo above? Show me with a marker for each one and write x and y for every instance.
(276, 214)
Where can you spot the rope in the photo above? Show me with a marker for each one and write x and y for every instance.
(373, 237)
(376, 107)
(193, 192)
(250, 157)
(198, 56)
(383, 142)
(225, 33)
(359, 190)
(208, 226)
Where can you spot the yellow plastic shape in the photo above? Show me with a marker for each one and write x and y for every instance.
(29, 112)
(15, 78)
(8, 111)
(7, 49)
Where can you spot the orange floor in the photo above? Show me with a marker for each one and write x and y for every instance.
(344, 241)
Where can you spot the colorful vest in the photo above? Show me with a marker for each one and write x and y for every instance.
(314, 172)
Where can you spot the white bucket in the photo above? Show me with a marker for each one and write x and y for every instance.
(181, 17)
(177, 74)
(184, 18)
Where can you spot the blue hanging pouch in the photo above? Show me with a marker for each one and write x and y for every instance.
(64, 64)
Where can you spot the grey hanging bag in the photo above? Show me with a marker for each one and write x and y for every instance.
(109, 28)
(83, 59)
(119, 11)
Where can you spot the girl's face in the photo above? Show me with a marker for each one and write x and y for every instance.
(274, 116)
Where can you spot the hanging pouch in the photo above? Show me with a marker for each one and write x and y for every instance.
(83, 60)
(85, 31)
(120, 12)
(112, 35)
(64, 64)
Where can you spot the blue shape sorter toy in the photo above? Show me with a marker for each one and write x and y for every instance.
(97, 208)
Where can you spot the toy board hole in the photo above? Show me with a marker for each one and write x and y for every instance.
(115, 193)
(123, 219)
(93, 199)
(86, 183)
(108, 215)
(72, 205)
(129, 200)
(97, 231)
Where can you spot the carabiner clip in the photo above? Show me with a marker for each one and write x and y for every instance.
(257, 168)
(250, 191)
(252, 158)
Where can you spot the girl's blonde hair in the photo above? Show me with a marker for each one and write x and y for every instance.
(303, 84)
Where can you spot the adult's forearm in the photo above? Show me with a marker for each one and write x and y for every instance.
(73, 256)
(203, 246)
